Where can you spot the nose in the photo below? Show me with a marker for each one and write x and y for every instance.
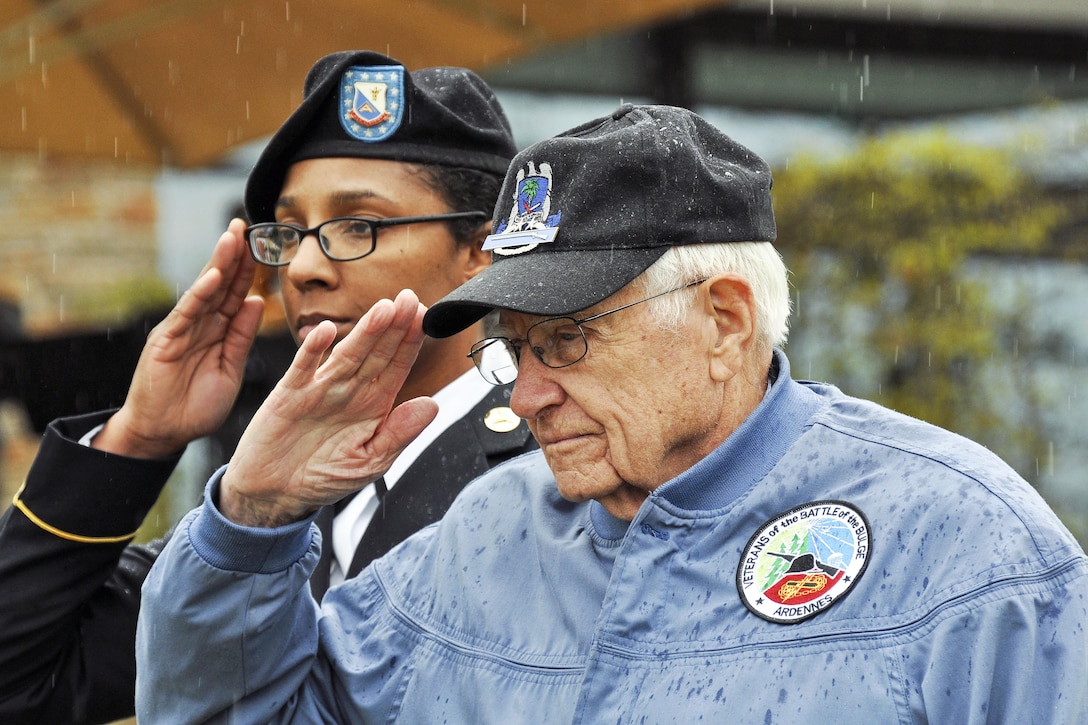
(310, 266)
(535, 388)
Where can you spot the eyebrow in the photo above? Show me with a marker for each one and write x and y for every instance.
(337, 198)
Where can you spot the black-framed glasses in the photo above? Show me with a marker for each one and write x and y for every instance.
(558, 342)
(342, 239)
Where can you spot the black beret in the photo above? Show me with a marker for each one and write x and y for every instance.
(363, 104)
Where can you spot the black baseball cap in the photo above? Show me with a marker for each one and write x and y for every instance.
(584, 213)
(363, 104)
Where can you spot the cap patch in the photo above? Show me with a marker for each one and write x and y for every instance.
(530, 222)
(804, 560)
(372, 101)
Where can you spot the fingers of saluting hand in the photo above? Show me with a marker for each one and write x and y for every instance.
(240, 268)
(330, 427)
(193, 362)
(380, 348)
(404, 423)
(385, 340)
(215, 308)
(226, 280)
(349, 395)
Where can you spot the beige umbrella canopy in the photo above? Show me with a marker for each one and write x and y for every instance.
(179, 82)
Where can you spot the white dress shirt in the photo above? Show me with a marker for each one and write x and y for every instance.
(454, 401)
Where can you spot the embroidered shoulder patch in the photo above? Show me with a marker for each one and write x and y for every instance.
(804, 560)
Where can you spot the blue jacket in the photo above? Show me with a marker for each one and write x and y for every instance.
(832, 561)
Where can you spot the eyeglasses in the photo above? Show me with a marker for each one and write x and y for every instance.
(558, 342)
(342, 239)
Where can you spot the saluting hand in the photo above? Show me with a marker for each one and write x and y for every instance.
(330, 428)
(192, 365)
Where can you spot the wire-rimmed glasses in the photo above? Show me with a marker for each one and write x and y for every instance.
(342, 239)
(558, 342)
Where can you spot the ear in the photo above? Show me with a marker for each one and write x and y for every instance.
(732, 322)
(475, 260)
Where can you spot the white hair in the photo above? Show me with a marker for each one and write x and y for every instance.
(759, 263)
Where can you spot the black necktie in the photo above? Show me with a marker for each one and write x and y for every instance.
(379, 491)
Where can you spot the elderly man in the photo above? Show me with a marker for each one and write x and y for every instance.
(700, 539)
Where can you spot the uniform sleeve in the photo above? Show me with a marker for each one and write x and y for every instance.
(70, 580)
(1010, 653)
(228, 628)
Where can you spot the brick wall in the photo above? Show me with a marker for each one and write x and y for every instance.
(68, 231)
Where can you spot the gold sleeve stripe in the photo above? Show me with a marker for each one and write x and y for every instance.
(18, 503)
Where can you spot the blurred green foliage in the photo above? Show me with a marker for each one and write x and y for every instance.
(122, 301)
(878, 241)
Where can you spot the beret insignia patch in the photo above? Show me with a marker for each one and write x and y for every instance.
(372, 101)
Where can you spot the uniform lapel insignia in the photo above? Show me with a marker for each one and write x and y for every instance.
(501, 420)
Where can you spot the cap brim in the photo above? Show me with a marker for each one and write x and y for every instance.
(548, 283)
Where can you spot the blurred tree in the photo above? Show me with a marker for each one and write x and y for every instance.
(878, 242)
(120, 301)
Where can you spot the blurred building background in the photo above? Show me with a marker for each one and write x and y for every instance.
(106, 215)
